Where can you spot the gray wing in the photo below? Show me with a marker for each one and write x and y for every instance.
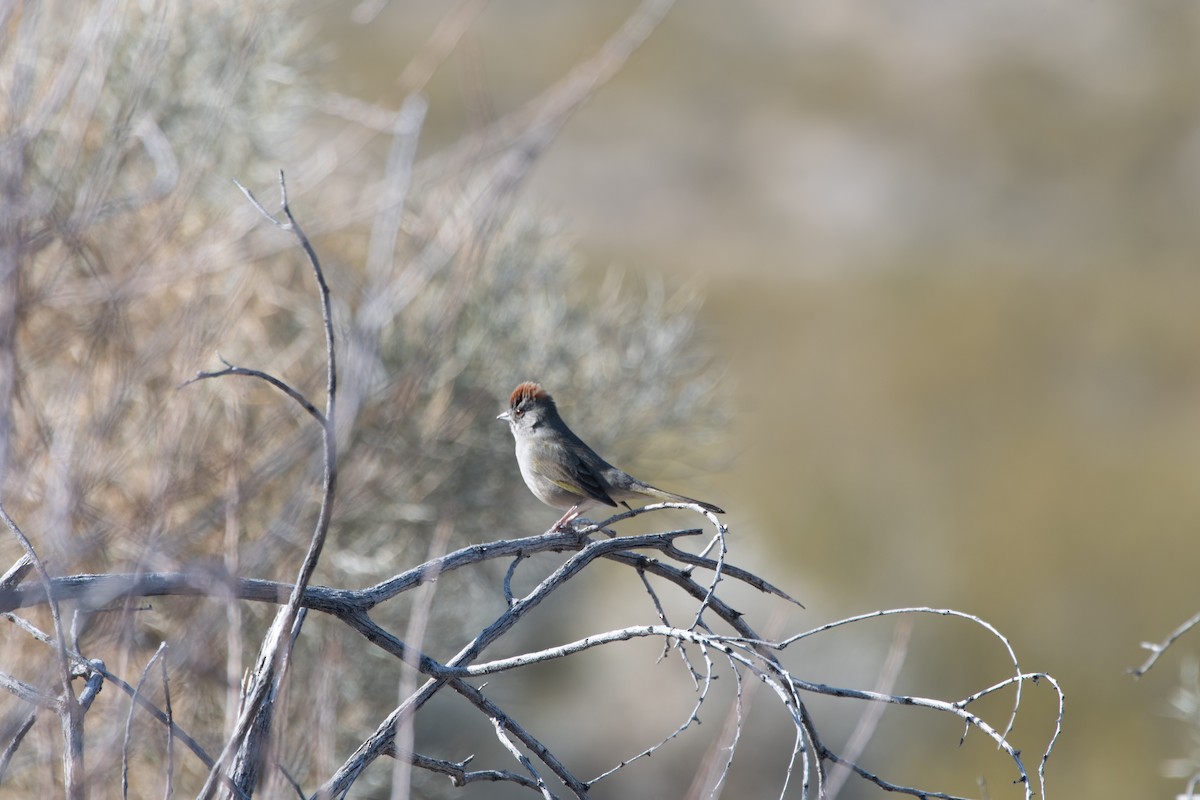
(580, 468)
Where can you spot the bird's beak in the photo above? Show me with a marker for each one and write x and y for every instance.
(505, 416)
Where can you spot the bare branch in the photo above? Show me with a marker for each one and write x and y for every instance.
(272, 663)
(442, 258)
(129, 722)
(865, 728)
(459, 774)
(1157, 649)
(170, 759)
(502, 735)
(27, 692)
(231, 369)
(15, 743)
(69, 711)
(415, 636)
(945, 612)
(153, 710)
(16, 573)
(544, 754)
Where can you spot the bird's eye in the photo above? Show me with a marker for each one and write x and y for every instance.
(518, 412)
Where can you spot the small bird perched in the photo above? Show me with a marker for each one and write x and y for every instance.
(560, 469)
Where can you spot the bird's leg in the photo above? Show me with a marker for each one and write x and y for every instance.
(563, 523)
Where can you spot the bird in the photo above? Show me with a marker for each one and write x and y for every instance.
(561, 470)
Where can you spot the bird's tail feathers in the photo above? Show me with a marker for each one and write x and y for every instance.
(671, 497)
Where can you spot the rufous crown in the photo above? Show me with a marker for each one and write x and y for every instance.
(527, 392)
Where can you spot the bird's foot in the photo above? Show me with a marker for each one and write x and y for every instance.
(581, 526)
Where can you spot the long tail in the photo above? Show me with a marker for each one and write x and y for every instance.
(654, 491)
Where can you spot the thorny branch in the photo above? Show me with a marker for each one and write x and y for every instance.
(744, 651)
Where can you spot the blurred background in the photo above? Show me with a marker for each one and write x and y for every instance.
(909, 288)
(949, 255)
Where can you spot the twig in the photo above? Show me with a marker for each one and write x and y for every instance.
(15, 743)
(382, 737)
(867, 723)
(170, 755)
(1035, 677)
(889, 786)
(70, 714)
(522, 758)
(233, 610)
(1191, 786)
(669, 644)
(129, 721)
(494, 712)
(149, 707)
(232, 369)
(27, 692)
(415, 637)
(692, 718)
(272, 663)
(957, 709)
(746, 649)
(1157, 649)
(16, 573)
(709, 777)
(295, 784)
(718, 567)
(458, 773)
(676, 553)
(944, 612)
(508, 576)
